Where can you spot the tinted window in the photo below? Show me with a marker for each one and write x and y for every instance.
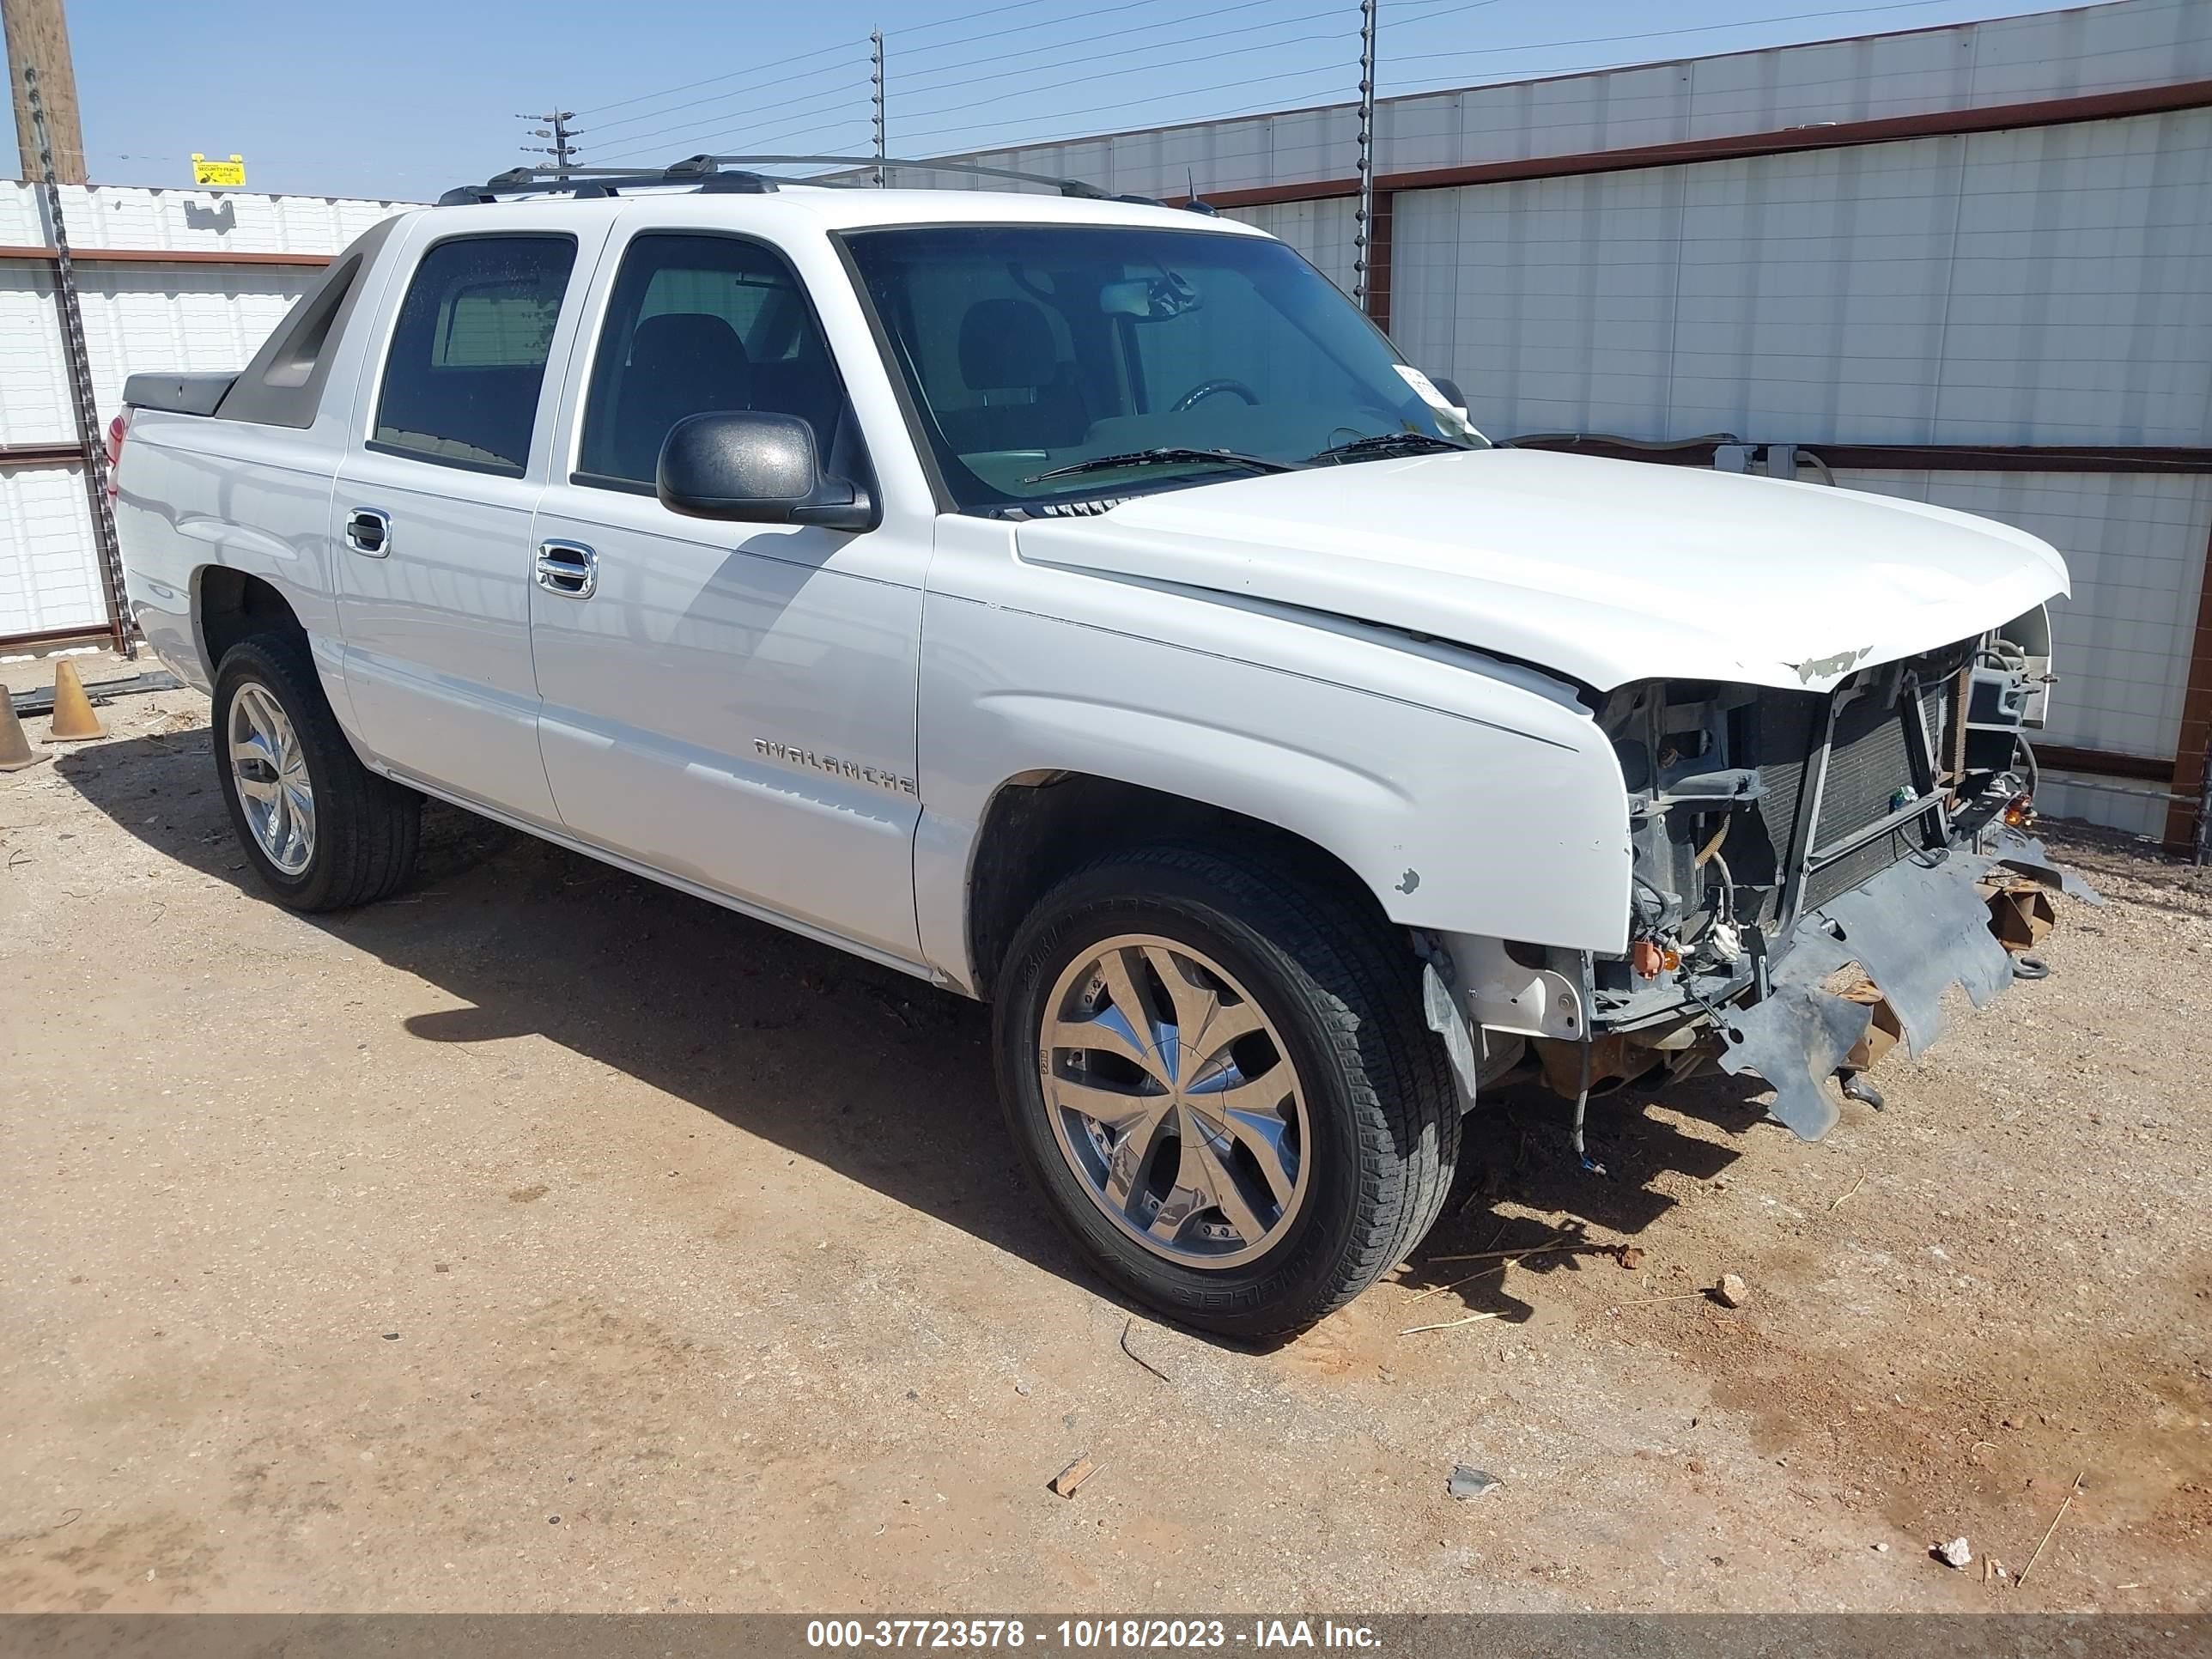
(1031, 348)
(698, 324)
(468, 353)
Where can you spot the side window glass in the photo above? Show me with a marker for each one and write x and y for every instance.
(697, 324)
(468, 352)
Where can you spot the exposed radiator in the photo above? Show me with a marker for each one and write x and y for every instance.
(1870, 773)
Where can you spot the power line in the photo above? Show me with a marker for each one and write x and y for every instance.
(712, 127)
(728, 92)
(1150, 46)
(1108, 75)
(743, 139)
(757, 69)
(970, 17)
(1025, 28)
(1268, 108)
(723, 118)
(1896, 5)
(1186, 92)
(819, 52)
(1700, 28)
(1092, 14)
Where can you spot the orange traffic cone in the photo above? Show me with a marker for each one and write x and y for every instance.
(74, 720)
(15, 748)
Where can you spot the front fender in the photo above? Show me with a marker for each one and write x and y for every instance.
(1467, 802)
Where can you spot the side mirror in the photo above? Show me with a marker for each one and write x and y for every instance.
(1449, 387)
(755, 468)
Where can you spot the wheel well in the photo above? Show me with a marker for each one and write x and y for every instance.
(1038, 830)
(229, 605)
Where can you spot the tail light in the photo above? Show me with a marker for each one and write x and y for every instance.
(117, 429)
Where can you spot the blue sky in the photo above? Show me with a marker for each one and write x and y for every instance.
(406, 98)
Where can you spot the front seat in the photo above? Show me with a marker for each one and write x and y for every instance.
(681, 363)
(1008, 358)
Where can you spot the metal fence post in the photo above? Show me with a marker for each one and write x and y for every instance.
(1363, 215)
(876, 102)
(79, 365)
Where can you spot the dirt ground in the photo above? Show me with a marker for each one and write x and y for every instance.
(546, 1240)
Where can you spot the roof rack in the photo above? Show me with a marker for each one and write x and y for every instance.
(715, 174)
(701, 173)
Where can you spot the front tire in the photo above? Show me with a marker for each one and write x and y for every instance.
(1217, 1070)
(321, 830)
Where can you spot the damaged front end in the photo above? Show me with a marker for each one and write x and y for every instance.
(1811, 871)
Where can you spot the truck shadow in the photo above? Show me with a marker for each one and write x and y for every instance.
(1516, 1157)
(856, 1067)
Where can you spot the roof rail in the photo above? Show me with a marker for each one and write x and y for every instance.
(717, 173)
(892, 163)
(700, 172)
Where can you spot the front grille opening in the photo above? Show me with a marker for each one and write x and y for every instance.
(1870, 773)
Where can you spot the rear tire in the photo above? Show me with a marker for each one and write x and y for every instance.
(321, 830)
(1247, 1186)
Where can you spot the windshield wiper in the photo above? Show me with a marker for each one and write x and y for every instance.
(1163, 455)
(1384, 443)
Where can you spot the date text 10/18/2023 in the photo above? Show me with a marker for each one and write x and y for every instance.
(1089, 1635)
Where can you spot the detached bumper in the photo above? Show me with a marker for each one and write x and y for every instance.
(1915, 930)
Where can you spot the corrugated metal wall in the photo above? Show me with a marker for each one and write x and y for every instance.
(2045, 284)
(138, 316)
(2038, 287)
(2135, 545)
(2006, 60)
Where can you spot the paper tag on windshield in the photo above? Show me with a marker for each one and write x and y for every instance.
(1426, 387)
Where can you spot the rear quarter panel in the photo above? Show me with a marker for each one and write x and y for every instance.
(196, 492)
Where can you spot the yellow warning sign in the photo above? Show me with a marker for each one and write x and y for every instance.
(231, 173)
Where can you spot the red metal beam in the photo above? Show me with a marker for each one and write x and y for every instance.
(1906, 458)
(1835, 135)
(2103, 763)
(53, 454)
(1378, 262)
(85, 635)
(163, 256)
(2188, 775)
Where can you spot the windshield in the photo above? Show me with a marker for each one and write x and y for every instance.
(1029, 349)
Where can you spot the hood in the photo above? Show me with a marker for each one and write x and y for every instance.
(1606, 571)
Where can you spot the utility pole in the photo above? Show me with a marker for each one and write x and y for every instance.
(78, 362)
(876, 102)
(1363, 226)
(563, 148)
(37, 38)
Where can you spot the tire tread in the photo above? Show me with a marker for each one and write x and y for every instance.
(367, 828)
(1405, 1105)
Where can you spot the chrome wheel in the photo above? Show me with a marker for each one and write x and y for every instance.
(270, 772)
(1174, 1100)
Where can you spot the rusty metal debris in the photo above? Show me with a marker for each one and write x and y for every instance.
(1072, 1476)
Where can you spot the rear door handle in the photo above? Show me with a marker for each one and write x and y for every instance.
(569, 568)
(369, 532)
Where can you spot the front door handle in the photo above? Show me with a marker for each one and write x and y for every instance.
(368, 532)
(569, 568)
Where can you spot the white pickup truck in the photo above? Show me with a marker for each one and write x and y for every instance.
(1078, 603)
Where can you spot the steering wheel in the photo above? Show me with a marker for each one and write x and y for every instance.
(1205, 389)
